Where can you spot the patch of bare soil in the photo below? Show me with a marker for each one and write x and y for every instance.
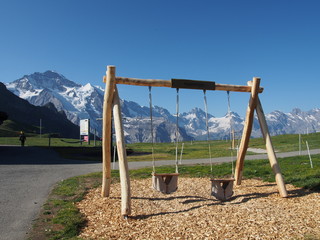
(255, 212)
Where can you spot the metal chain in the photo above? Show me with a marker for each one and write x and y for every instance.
(177, 129)
(207, 126)
(151, 130)
(231, 128)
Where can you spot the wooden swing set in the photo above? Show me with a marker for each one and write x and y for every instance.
(111, 107)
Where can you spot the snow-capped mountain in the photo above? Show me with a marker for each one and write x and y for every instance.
(80, 102)
(25, 116)
(77, 101)
(296, 121)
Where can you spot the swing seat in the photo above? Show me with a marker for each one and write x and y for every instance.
(165, 182)
(222, 189)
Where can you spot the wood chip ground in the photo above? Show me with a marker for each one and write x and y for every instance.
(256, 211)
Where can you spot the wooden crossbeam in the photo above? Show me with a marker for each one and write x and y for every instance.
(168, 83)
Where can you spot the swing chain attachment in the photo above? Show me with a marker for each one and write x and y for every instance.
(151, 130)
(177, 129)
(207, 127)
(164, 182)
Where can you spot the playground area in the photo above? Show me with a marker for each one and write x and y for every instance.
(254, 212)
(257, 210)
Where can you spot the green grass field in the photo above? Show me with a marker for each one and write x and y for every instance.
(289, 142)
(71, 148)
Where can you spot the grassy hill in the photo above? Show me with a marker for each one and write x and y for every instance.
(10, 128)
(23, 116)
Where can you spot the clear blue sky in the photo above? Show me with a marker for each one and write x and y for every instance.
(227, 41)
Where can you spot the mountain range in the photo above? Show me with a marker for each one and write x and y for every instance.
(86, 102)
(24, 116)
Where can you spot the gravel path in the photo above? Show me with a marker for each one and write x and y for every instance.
(137, 165)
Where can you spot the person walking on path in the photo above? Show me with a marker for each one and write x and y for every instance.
(22, 139)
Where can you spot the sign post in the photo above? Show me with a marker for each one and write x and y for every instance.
(85, 130)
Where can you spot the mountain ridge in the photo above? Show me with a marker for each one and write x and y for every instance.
(28, 115)
(86, 101)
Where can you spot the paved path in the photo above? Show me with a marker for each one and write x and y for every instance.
(28, 174)
(136, 165)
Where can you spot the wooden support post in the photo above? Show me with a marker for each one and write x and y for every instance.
(106, 131)
(271, 154)
(122, 156)
(247, 130)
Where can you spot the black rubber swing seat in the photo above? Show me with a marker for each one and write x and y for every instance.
(165, 182)
(222, 189)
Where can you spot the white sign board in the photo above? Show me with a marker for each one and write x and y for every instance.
(84, 126)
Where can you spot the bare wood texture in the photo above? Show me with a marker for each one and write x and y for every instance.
(167, 83)
(222, 179)
(122, 155)
(165, 174)
(247, 130)
(236, 88)
(270, 151)
(143, 82)
(106, 131)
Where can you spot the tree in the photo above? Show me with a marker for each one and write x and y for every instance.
(3, 117)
